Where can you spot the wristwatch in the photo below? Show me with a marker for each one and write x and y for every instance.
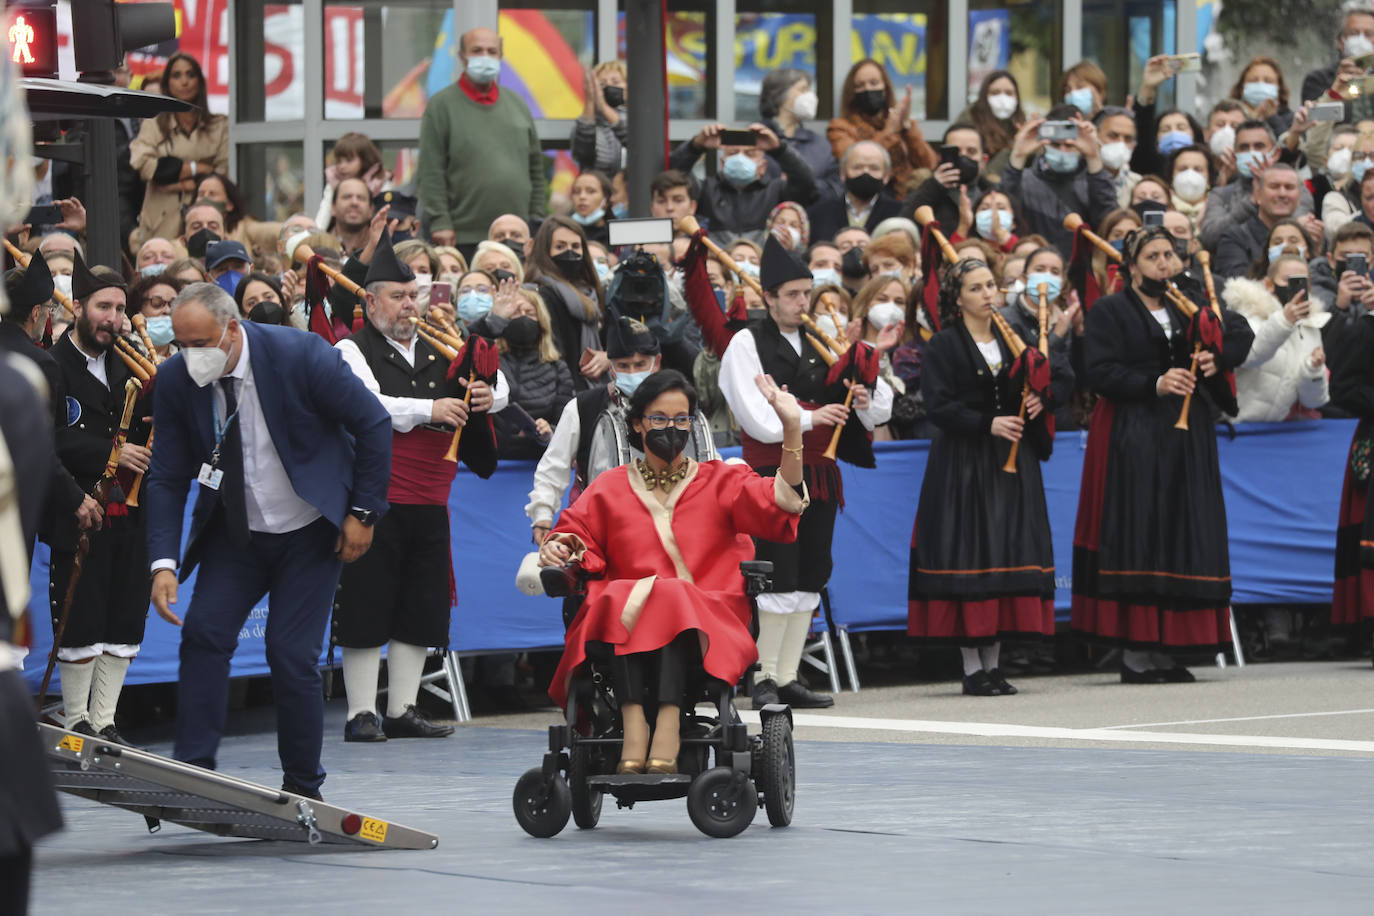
(367, 516)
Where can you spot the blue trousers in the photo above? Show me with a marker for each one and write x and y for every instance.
(300, 571)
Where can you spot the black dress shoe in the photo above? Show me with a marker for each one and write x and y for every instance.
(110, 733)
(289, 786)
(414, 725)
(799, 696)
(363, 727)
(1003, 686)
(765, 692)
(979, 684)
(84, 728)
(1177, 675)
(1152, 676)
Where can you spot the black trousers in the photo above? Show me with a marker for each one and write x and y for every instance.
(805, 564)
(660, 676)
(399, 589)
(28, 803)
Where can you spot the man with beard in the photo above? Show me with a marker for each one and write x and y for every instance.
(399, 593)
(110, 606)
(352, 215)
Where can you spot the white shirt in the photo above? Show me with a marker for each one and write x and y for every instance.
(269, 499)
(992, 354)
(741, 364)
(407, 413)
(554, 471)
(1162, 316)
(95, 365)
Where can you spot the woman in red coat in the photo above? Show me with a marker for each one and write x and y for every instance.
(662, 539)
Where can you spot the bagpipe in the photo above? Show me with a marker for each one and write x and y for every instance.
(144, 369)
(318, 278)
(1029, 364)
(1080, 269)
(934, 246)
(1204, 327)
(474, 359)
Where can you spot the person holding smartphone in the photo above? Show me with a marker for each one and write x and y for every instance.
(1342, 277)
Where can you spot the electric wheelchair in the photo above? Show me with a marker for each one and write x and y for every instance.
(725, 773)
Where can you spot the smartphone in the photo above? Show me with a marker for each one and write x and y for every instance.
(1058, 130)
(949, 154)
(1296, 285)
(1358, 263)
(1154, 217)
(48, 215)
(1328, 111)
(1185, 63)
(738, 138)
(1362, 86)
(441, 293)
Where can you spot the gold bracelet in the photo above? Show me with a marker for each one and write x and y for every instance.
(796, 451)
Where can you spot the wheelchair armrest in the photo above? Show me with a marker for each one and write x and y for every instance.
(758, 575)
(562, 581)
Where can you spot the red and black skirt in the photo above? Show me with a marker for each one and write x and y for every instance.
(1353, 600)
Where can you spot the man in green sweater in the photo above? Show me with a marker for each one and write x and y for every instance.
(479, 151)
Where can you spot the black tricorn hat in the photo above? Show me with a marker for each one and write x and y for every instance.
(84, 283)
(626, 337)
(780, 265)
(29, 286)
(385, 268)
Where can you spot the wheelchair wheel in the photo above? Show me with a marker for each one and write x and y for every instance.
(586, 802)
(777, 770)
(722, 802)
(541, 806)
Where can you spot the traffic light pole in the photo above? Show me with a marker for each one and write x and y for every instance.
(102, 194)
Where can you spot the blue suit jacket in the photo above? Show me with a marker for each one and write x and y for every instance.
(332, 434)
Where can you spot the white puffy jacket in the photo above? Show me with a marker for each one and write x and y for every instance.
(1279, 371)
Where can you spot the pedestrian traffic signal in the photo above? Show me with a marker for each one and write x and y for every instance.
(31, 39)
(102, 30)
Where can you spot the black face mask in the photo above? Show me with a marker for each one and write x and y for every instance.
(1181, 249)
(199, 241)
(267, 312)
(401, 235)
(1152, 287)
(502, 275)
(519, 251)
(522, 333)
(569, 264)
(863, 186)
(1148, 206)
(870, 101)
(666, 444)
(968, 170)
(614, 96)
(852, 264)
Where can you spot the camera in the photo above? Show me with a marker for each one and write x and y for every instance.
(1058, 130)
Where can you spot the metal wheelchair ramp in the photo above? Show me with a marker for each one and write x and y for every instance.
(162, 789)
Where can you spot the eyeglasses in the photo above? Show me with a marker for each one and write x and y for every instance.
(659, 421)
(156, 302)
(483, 290)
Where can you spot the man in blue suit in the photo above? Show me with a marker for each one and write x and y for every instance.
(293, 457)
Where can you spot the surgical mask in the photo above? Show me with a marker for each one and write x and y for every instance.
(522, 333)
(1359, 169)
(267, 312)
(805, 104)
(1014, 291)
(1339, 163)
(1003, 105)
(1357, 45)
(827, 326)
(569, 264)
(63, 284)
(826, 276)
(1115, 155)
(1060, 161)
(739, 169)
(473, 306)
(620, 211)
(1190, 184)
(720, 297)
(795, 236)
(229, 281)
(614, 96)
(983, 220)
(863, 186)
(1256, 94)
(1276, 251)
(1174, 140)
(482, 70)
(603, 271)
(1082, 99)
(205, 364)
(590, 218)
(160, 330)
(1223, 138)
(1119, 245)
(885, 314)
(627, 382)
(750, 268)
(152, 270)
(666, 444)
(1033, 281)
(1246, 161)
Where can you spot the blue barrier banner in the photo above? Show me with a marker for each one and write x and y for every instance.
(1282, 486)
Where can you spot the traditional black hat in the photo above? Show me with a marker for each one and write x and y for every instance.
(84, 283)
(626, 337)
(385, 268)
(402, 205)
(780, 265)
(29, 286)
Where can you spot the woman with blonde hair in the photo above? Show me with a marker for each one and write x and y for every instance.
(540, 383)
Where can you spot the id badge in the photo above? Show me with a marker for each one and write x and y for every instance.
(209, 477)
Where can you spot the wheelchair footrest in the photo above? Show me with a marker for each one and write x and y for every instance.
(634, 787)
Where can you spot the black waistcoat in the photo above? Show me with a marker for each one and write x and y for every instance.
(803, 374)
(396, 377)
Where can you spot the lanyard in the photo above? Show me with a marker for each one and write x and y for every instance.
(220, 430)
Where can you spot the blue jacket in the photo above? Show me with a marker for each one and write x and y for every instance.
(332, 434)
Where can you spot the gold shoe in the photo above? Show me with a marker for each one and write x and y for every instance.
(661, 766)
(629, 766)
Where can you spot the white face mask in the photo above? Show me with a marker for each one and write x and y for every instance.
(63, 283)
(885, 314)
(1358, 45)
(804, 105)
(1223, 139)
(1003, 105)
(1338, 163)
(827, 325)
(205, 364)
(1190, 184)
(1115, 155)
(424, 281)
(1015, 290)
(795, 236)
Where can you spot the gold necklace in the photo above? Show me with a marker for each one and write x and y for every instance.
(665, 479)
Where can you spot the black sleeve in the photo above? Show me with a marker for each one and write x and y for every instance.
(1108, 371)
(1145, 159)
(1353, 386)
(941, 387)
